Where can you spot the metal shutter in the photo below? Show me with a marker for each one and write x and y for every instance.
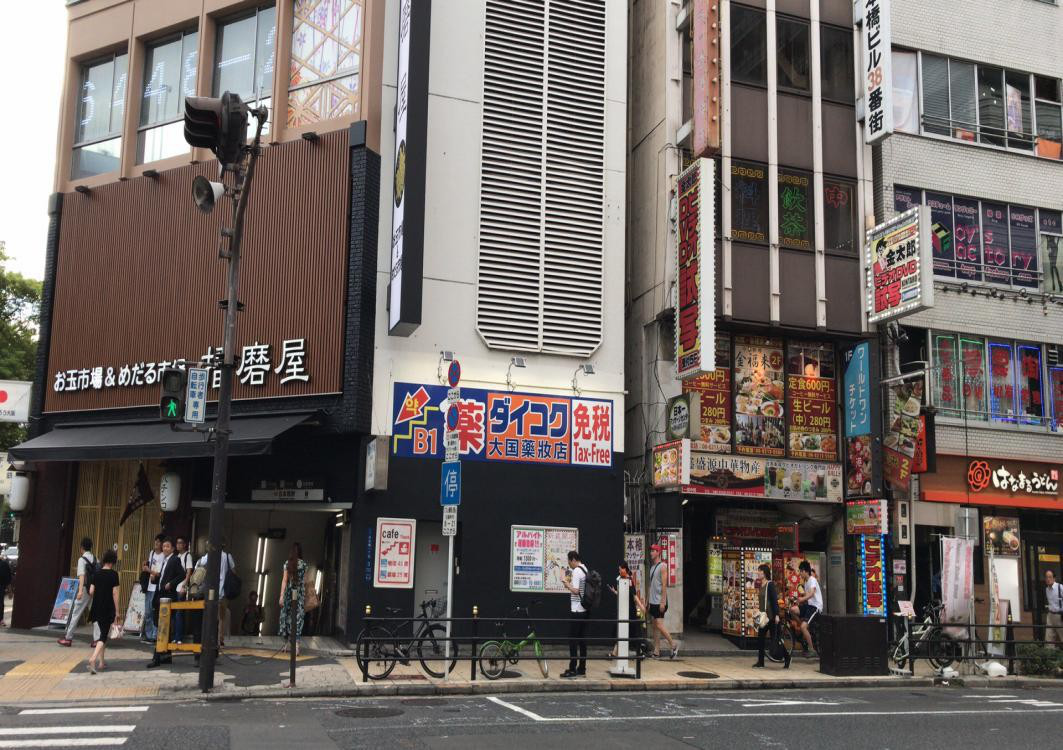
(542, 176)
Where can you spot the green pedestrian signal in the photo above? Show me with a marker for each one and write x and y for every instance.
(171, 407)
(172, 398)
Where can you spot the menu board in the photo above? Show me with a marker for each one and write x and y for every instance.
(1001, 535)
(1023, 246)
(741, 596)
(538, 557)
(967, 236)
(811, 401)
(803, 480)
(995, 242)
(759, 396)
(714, 389)
(941, 233)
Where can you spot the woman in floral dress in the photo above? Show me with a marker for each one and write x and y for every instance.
(293, 611)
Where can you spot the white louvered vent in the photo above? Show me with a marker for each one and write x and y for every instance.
(542, 176)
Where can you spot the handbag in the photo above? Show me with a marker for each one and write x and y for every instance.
(761, 619)
(311, 600)
(115, 632)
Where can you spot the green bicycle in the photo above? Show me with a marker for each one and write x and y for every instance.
(494, 655)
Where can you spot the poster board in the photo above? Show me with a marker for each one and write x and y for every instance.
(635, 556)
(741, 595)
(134, 611)
(538, 557)
(393, 561)
(64, 602)
(788, 577)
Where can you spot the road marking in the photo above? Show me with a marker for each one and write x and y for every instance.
(980, 697)
(67, 742)
(85, 710)
(85, 729)
(524, 711)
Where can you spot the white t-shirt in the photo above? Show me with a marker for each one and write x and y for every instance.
(226, 558)
(157, 559)
(579, 575)
(1054, 597)
(186, 563)
(815, 593)
(85, 556)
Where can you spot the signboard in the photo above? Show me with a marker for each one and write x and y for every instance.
(1001, 535)
(899, 447)
(450, 520)
(695, 325)
(875, 42)
(866, 517)
(15, 400)
(635, 556)
(671, 464)
(711, 473)
(287, 494)
(538, 557)
(803, 480)
(682, 416)
(1008, 477)
(64, 602)
(450, 483)
(872, 578)
(900, 273)
(812, 414)
(714, 553)
(196, 395)
(905, 607)
(504, 426)
(857, 394)
(759, 391)
(747, 476)
(705, 62)
(395, 540)
(714, 395)
(134, 611)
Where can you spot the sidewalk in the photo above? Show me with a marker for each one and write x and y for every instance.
(34, 669)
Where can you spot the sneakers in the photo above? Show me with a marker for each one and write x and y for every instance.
(759, 665)
(65, 642)
(570, 674)
(675, 651)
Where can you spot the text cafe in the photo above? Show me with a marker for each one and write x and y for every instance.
(1013, 512)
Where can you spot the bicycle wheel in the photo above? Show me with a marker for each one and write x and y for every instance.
(899, 653)
(376, 652)
(786, 635)
(493, 658)
(942, 650)
(544, 665)
(431, 648)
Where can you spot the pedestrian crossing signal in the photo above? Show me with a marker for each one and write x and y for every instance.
(172, 401)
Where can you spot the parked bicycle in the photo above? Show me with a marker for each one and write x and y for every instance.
(927, 641)
(380, 647)
(494, 655)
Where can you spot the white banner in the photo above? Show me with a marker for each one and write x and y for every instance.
(957, 567)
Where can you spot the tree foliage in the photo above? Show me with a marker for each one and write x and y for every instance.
(20, 312)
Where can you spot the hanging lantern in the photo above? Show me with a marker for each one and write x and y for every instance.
(20, 492)
(170, 491)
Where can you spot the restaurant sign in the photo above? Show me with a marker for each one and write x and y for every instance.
(695, 324)
(1012, 479)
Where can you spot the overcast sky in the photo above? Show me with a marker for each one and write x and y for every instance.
(32, 47)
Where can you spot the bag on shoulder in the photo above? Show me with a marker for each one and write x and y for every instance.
(91, 568)
(195, 583)
(232, 582)
(592, 590)
(311, 600)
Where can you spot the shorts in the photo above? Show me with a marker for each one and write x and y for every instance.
(807, 612)
(656, 611)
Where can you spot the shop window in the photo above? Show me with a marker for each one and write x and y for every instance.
(1001, 382)
(836, 64)
(792, 53)
(941, 233)
(1023, 225)
(946, 369)
(169, 76)
(905, 198)
(905, 91)
(749, 45)
(1028, 379)
(795, 209)
(1055, 387)
(245, 58)
(967, 239)
(839, 215)
(749, 202)
(1049, 135)
(972, 377)
(325, 60)
(100, 116)
(1051, 226)
(995, 242)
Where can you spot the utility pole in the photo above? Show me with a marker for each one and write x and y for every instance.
(216, 124)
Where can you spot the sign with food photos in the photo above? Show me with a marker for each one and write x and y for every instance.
(812, 412)
(759, 396)
(714, 394)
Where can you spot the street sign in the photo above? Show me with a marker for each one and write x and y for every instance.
(450, 521)
(450, 483)
(450, 447)
(452, 418)
(454, 373)
(196, 395)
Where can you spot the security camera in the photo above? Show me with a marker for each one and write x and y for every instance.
(206, 193)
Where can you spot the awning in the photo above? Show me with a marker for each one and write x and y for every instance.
(251, 436)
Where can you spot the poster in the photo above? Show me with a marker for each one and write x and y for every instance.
(64, 602)
(134, 611)
(671, 464)
(995, 242)
(714, 391)
(957, 579)
(1001, 536)
(899, 446)
(803, 480)
(635, 556)
(941, 233)
(860, 479)
(787, 573)
(810, 401)
(899, 273)
(759, 391)
(866, 517)
(526, 563)
(1023, 246)
(695, 329)
(714, 567)
(872, 578)
(731, 569)
(395, 544)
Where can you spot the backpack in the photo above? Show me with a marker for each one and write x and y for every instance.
(91, 567)
(232, 581)
(592, 589)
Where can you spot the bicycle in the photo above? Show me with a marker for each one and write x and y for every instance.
(790, 631)
(494, 655)
(379, 648)
(928, 640)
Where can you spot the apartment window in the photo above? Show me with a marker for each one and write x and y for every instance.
(749, 45)
(1049, 122)
(839, 215)
(795, 209)
(836, 64)
(749, 202)
(792, 53)
(1028, 379)
(1051, 230)
(170, 70)
(991, 106)
(326, 60)
(905, 91)
(245, 58)
(1055, 385)
(100, 114)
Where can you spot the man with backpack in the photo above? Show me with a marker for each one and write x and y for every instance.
(229, 585)
(87, 566)
(585, 591)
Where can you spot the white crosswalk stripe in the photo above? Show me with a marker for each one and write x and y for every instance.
(83, 710)
(999, 699)
(73, 734)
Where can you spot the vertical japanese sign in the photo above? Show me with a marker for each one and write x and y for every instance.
(811, 407)
(872, 580)
(875, 41)
(395, 538)
(957, 564)
(705, 59)
(863, 470)
(714, 391)
(858, 390)
(759, 396)
(900, 278)
(695, 324)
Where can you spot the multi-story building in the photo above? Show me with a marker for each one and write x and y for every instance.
(977, 134)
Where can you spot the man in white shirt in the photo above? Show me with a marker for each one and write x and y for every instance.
(809, 603)
(227, 563)
(575, 580)
(153, 567)
(1054, 607)
(83, 600)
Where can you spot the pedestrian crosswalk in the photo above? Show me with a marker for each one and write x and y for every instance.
(83, 726)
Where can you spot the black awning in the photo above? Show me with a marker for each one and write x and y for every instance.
(251, 436)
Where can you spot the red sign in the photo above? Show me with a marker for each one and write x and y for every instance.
(714, 389)
(695, 328)
(871, 584)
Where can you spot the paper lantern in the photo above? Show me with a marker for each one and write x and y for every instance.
(170, 491)
(20, 492)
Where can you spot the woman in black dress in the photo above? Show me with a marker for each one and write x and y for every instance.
(104, 593)
(769, 603)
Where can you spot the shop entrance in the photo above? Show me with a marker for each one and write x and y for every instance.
(430, 567)
(1043, 552)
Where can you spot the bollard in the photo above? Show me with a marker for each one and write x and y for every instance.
(475, 633)
(911, 645)
(363, 663)
(292, 631)
(1009, 645)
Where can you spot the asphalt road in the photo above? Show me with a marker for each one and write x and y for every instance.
(850, 719)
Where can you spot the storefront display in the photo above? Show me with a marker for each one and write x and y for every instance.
(811, 401)
(759, 392)
(741, 594)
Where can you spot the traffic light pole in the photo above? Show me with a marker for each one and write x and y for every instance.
(242, 189)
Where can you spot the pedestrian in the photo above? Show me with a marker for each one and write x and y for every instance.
(227, 564)
(292, 608)
(86, 567)
(635, 607)
(251, 622)
(185, 558)
(104, 613)
(657, 599)
(5, 581)
(172, 573)
(149, 581)
(1053, 610)
(575, 581)
(769, 605)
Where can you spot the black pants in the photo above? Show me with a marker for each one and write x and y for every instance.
(577, 632)
(3, 600)
(774, 644)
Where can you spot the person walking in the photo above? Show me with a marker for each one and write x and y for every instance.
(575, 581)
(769, 604)
(1053, 610)
(5, 581)
(292, 608)
(634, 607)
(657, 599)
(149, 581)
(86, 567)
(104, 613)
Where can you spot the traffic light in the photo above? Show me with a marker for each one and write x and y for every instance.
(172, 402)
(217, 123)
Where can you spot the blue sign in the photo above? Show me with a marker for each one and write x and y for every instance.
(454, 373)
(452, 418)
(450, 483)
(858, 390)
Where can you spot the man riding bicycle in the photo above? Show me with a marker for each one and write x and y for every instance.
(809, 603)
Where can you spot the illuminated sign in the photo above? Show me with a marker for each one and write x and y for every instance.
(900, 275)
(695, 325)
(872, 590)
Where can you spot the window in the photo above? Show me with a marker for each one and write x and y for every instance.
(749, 202)
(1001, 389)
(963, 100)
(792, 53)
(946, 357)
(941, 234)
(169, 76)
(100, 114)
(991, 106)
(839, 215)
(1017, 106)
(749, 45)
(1023, 246)
(967, 242)
(995, 242)
(905, 91)
(1051, 226)
(1028, 378)
(244, 59)
(906, 198)
(937, 115)
(836, 64)
(1055, 385)
(1049, 135)
(795, 209)
(326, 60)
(972, 377)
